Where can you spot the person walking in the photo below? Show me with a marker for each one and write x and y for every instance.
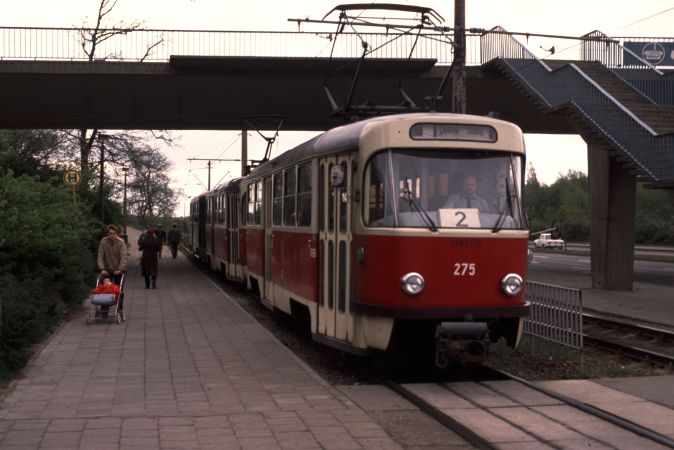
(174, 239)
(111, 261)
(149, 264)
(161, 235)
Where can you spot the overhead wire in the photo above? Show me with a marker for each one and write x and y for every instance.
(646, 18)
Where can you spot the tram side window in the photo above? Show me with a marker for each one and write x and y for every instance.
(255, 203)
(244, 207)
(194, 211)
(220, 212)
(289, 190)
(278, 199)
(304, 195)
(251, 204)
(209, 211)
(258, 202)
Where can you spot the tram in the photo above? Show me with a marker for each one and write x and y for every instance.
(399, 232)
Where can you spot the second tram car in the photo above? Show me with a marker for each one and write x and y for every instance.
(397, 232)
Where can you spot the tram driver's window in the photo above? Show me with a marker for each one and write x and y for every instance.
(375, 202)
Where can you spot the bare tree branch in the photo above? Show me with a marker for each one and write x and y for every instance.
(150, 48)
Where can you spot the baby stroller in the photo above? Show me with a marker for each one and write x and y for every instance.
(105, 306)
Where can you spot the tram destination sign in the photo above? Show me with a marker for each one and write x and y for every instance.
(656, 53)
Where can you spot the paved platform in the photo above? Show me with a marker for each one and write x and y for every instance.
(190, 369)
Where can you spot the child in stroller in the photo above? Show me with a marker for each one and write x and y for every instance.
(104, 298)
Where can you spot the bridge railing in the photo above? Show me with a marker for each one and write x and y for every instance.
(132, 45)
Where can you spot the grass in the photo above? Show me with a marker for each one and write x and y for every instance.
(538, 360)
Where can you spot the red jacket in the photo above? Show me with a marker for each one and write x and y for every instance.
(106, 289)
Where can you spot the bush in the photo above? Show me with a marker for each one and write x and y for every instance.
(45, 259)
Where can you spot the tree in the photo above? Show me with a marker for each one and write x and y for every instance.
(151, 195)
(90, 39)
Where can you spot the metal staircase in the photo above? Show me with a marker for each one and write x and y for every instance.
(616, 108)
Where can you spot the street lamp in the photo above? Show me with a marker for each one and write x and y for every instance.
(125, 170)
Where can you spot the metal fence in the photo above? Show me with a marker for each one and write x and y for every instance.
(133, 45)
(556, 314)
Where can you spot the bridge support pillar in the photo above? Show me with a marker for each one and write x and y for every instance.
(612, 191)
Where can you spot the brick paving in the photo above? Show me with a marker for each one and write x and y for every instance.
(188, 369)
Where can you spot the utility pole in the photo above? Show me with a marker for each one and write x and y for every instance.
(459, 70)
(125, 170)
(244, 152)
(101, 138)
(209, 166)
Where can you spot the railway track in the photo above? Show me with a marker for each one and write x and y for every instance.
(637, 341)
(500, 410)
(493, 414)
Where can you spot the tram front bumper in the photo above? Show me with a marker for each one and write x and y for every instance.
(461, 342)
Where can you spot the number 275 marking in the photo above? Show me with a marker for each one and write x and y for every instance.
(464, 269)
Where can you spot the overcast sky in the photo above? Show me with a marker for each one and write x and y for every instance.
(550, 155)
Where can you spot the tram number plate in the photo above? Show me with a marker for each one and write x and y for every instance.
(459, 218)
(464, 269)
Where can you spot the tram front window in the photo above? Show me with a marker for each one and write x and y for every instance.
(435, 188)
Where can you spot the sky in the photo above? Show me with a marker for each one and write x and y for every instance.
(550, 156)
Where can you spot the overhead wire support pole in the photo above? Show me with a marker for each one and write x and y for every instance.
(208, 188)
(101, 138)
(459, 64)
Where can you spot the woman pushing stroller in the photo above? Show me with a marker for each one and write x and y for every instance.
(111, 261)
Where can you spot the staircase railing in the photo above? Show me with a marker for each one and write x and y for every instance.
(643, 76)
(570, 87)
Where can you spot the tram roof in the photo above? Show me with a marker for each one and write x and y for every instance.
(338, 140)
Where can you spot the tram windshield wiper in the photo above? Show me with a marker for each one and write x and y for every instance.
(510, 197)
(415, 206)
(504, 211)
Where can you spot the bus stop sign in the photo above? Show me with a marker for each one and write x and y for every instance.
(72, 177)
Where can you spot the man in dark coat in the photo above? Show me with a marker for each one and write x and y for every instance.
(160, 233)
(149, 263)
(174, 239)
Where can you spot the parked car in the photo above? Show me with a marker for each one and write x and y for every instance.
(545, 240)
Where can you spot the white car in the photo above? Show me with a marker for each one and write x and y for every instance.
(545, 241)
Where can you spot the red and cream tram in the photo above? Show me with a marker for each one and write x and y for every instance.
(402, 231)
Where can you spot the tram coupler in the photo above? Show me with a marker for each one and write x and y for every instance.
(461, 342)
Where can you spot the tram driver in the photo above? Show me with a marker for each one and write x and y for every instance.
(468, 197)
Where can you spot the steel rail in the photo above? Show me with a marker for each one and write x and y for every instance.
(442, 418)
(633, 351)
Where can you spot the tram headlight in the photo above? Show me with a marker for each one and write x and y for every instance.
(412, 283)
(512, 284)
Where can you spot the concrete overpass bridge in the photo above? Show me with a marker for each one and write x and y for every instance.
(622, 106)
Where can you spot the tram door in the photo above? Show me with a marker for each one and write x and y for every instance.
(268, 242)
(334, 241)
(233, 238)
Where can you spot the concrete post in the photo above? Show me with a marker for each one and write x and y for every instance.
(612, 191)
(244, 152)
(459, 71)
